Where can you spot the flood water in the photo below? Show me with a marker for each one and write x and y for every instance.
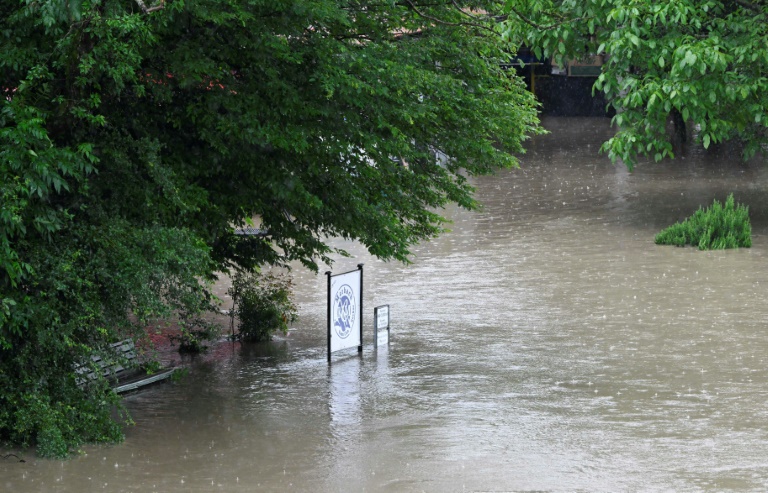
(544, 344)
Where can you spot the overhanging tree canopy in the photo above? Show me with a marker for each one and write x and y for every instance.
(134, 137)
(703, 62)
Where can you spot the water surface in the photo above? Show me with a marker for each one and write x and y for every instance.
(544, 344)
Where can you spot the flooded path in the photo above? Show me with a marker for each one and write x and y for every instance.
(544, 344)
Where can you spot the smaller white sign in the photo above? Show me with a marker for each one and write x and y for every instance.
(382, 338)
(381, 316)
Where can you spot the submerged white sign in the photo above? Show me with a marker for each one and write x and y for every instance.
(345, 291)
(381, 317)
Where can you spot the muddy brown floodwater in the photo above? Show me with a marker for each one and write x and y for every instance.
(544, 344)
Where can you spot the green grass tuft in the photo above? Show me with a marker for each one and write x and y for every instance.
(716, 228)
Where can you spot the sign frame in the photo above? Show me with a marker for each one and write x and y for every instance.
(345, 311)
(381, 330)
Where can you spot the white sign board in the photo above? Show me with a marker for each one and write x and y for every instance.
(381, 319)
(345, 304)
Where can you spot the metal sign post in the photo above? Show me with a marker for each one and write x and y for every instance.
(360, 344)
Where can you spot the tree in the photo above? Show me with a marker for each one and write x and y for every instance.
(702, 62)
(135, 136)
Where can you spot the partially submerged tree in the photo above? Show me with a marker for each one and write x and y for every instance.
(703, 62)
(133, 137)
(262, 304)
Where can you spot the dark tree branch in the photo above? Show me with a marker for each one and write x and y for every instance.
(12, 455)
(748, 5)
(468, 14)
(436, 20)
(541, 27)
(148, 10)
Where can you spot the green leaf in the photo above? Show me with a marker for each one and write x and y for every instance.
(690, 58)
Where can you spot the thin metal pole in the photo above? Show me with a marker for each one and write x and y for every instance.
(360, 347)
(329, 316)
(376, 328)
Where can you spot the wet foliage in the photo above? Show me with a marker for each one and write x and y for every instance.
(262, 305)
(700, 63)
(135, 136)
(715, 228)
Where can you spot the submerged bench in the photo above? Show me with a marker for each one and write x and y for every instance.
(125, 371)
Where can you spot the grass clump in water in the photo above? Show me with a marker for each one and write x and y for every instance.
(715, 228)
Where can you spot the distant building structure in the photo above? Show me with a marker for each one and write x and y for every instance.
(562, 91)
(250, 232)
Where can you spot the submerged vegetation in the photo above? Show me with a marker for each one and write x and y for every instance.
(716, 228)
(262, 304)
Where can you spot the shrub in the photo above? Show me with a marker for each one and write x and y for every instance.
(194, 330)
(262, 304)
(716, 228)
(193, 336)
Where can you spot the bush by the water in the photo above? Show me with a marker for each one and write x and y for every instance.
(262, 304)
(716, 228)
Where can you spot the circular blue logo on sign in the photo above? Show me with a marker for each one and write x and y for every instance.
(344, 311)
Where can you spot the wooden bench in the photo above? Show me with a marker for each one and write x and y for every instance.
(125, 371)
